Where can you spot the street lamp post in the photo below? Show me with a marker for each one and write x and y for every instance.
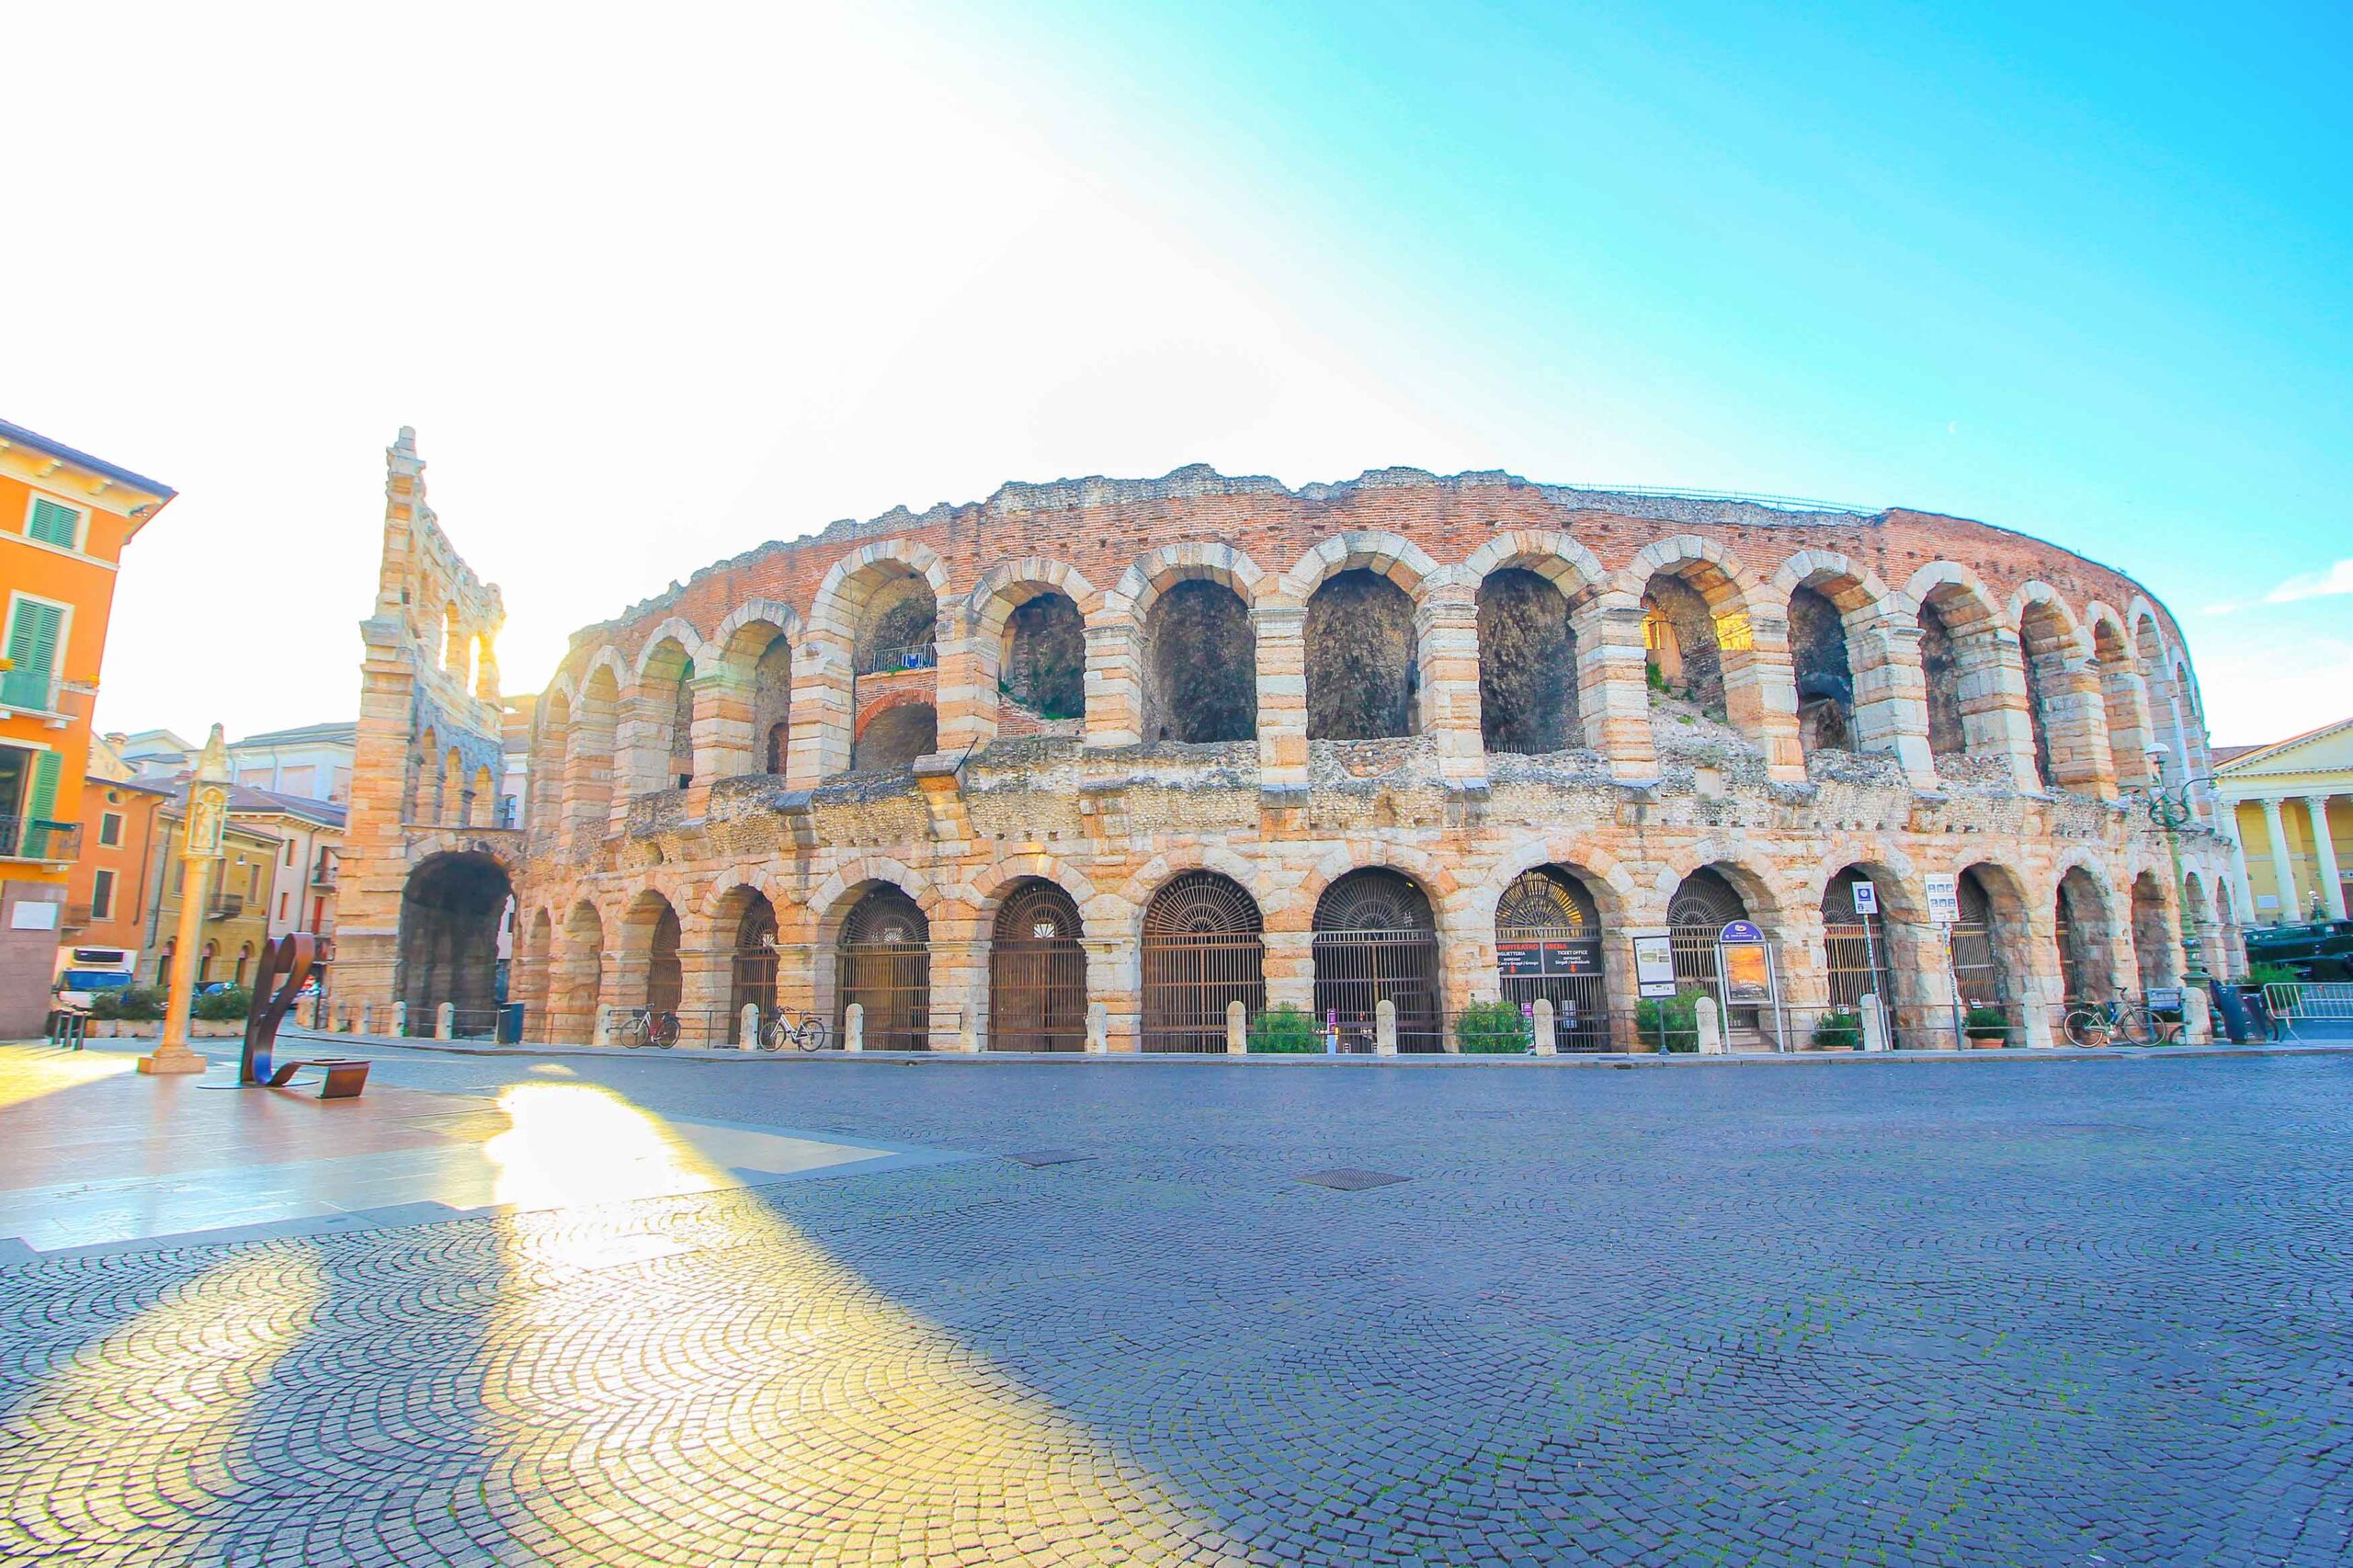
(205, 818)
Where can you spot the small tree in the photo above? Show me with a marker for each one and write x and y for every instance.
(225, 1006)
(1670, 1023)
(1838, 1030)
(1286, 1030)
(1494, 1028)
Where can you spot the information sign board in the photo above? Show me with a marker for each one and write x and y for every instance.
(1944, 898)
(1654, 963)
(1866, 898)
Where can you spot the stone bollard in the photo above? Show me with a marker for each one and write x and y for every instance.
(1237, 1029)
(400, 1020)
(1874, 1022)
(603, 1034)
(747, 1027)
(1099, 1029)
(367, 1017)
(2197, 1021)
(1711, 1034)
(1545, 1043)
(968, 1039)
(445, 1021)
(854, 1026)
(1384, 1027)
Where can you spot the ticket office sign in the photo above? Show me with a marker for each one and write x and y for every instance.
(1547, 960)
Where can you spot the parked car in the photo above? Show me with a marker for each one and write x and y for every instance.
(2316, 950)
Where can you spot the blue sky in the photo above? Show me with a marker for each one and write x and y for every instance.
(652, 296)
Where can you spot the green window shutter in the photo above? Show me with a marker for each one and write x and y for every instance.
(40, 804)
(53, 522)
(33, 635)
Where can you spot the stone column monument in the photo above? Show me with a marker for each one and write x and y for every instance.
(207, 816)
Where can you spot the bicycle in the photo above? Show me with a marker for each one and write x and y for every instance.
(2119, 1022)
(650, 1027)
(807, 1032)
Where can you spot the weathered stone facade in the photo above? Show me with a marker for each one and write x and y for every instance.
(1281, 688)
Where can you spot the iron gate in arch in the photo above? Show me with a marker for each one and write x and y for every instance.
(1548, 945)
(1856, 952)
(1375, 941)
(1203, 948)
(885, 958)
(1037, 972)
(751, 965)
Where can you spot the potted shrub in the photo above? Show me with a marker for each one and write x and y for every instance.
(1668, 1023)
(1988, 1028)
(1841, 1029)
(1285, 1030)
(1494, 1028)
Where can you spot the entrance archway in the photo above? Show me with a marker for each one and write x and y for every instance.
(1037, 971)
(1982, 942)
(1203, 946)
(1856, 949)
(451, 911)
(1376, 941)
(752, 963)
(886, 965)
(1704, 904)
(1547, 945)
(2079, 915)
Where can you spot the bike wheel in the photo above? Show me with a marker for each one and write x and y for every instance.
(2086, 1027)
(810, 1035)
(664, 1031)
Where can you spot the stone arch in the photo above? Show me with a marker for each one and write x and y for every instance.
(655, 739)
(576, 987)
(2055, 647)
(1969, 661)
(1851, 696)
(745, 925)
(589, 756)
(651, 936)
(1201, 947)
(1362, 654)
(1698, 628)
(1156, 571)
(1605, 877)
(1197, 645)
(2155, 950)
(1991, 948)
(984, 891)
(894, 731)
(882, 950)
(846, 618)
(1376, 940)
(2124, 695)
(830, 903)
(1037, 968)
(1146, 883)
(2083, 922)
(453, 904)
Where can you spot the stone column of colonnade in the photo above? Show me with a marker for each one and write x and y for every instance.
(1115, 978)
(1281, 633)
(724, 742)
(1445, 628)
(1290, 968)
(1891, 694)
(1995, 703)
(1614, 685)
(818, 745)
(1761, 698)
(640, 748)
(2124, 701)
(706, 978)
(2283, 865)
(2076, 723)
(959, 976)
(1114, 695)
(2331, 879)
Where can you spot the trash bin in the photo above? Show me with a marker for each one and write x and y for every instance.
(510, 1024)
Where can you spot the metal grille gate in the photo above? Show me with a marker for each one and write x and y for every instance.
(1376, 942)
(1037, 972)
(1201, 950)
(885, 957)
(1548, 945)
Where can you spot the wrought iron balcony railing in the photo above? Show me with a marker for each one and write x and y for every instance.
(35, 838)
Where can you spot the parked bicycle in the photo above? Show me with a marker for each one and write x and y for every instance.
(2120, 1022)
(657, 1027)
(806, 1030)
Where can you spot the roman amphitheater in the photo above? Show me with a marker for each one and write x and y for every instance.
(1077, 768)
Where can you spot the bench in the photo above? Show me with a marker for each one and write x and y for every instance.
(346, 1076)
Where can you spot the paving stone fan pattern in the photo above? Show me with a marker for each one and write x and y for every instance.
(2064, 1312)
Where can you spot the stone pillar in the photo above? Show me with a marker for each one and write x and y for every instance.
(1613, 691)
(747, 1027)
(2198, 1023)
(641, 750)
(1114, 691)
(1385, 1028)
(1874, 1022)
(2332, 885)
(959, 966)
(1291, 970)
(1710, 1028)
(1099, 1029)
(706, 976)
(2283, 865)
(1237, 1029)
(400, 1020)
(2124, 697)
(1892, 695)
(2076, 723)
(2227, 820)
(1546, 1039)
(1282, 632)
(1446, 627)
(854, 1026)
(1114, 985)
(822, 720)
(725, 744)
(1761, 697)
(964, 695)
(445, 1021)
(1995, 705)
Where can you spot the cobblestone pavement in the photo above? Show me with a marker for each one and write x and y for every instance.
(1970, 1313)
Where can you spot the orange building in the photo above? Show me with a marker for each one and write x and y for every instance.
(64, 519)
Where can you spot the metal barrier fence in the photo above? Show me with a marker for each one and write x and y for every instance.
(2311, 1009)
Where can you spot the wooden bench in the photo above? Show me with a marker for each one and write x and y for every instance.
(345, 1077)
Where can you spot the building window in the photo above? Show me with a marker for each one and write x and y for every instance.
(302, 780)
(284, 901)
(179, 872)
(254, 778)
(289, 852)
(110, 828)
(253, 880)
(54, 522)
(102, 895)
(36, 637)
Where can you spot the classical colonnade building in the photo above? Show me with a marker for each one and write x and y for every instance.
(1160, 745)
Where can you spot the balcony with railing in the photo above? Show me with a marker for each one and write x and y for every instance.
(325, 873)
(35, 838)
(28, 691)
(226, 906)
(892, 660)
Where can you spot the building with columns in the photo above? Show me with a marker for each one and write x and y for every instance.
(1088, 761)
(2291, 808)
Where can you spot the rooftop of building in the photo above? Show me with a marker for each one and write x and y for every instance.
(16, 435)
(341, 729)
(244, 800)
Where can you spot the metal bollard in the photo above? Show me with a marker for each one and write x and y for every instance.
(854, 1026)
(1545, 1043)
(1384, 1027)
(1237, 1029)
